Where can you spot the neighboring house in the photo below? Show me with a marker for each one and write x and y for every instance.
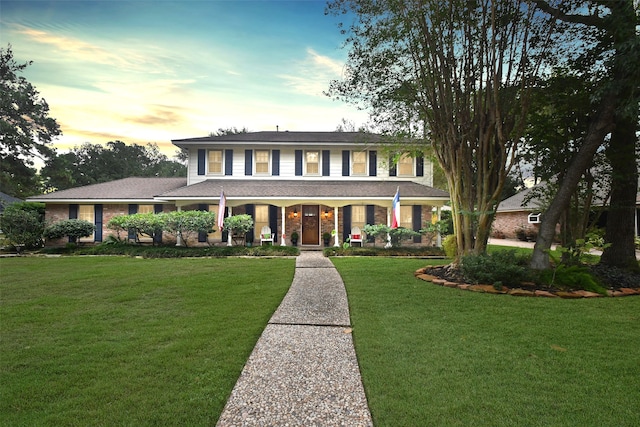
(307, 182)
(6, 199)
(514, 214)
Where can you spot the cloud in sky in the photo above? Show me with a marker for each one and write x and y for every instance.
(152, 71)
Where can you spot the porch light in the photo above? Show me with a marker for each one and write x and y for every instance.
(326, 213)
(295, 212)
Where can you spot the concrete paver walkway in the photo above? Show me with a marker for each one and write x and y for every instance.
(303, 370)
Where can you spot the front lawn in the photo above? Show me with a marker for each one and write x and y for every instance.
(124, 341)
(435, 356)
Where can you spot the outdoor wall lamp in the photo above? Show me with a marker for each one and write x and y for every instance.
(295, 213)
(326, 213)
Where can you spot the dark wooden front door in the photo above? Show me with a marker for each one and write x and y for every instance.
(310, 225)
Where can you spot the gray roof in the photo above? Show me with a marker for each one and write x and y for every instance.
(516, 202)
(121, 189)
(6, 199)
(287, 138)
(253, 188)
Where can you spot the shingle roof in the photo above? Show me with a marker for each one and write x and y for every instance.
(239, 188)
(287, 137)
(122, 189)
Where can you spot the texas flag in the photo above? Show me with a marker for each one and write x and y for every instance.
(395, 221)
(221, 206)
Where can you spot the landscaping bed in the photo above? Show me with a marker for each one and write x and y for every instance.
(421, 252)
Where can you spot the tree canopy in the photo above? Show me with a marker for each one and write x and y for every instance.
(455, 75)
(94, 163)
(26, 129)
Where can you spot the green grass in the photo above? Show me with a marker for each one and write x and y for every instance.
(435, 356)
(123, 341)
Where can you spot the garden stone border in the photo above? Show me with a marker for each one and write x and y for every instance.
(423, 274)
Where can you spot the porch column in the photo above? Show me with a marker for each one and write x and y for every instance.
(229, 231)
(388, 245)
(336, 242)
(179, 235)
(438, 212)
(283, 236)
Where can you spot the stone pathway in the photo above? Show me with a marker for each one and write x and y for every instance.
(303, 370)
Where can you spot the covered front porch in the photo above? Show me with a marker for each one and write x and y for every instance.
(310, 209)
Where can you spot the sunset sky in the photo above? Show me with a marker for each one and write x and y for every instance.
(152, 71)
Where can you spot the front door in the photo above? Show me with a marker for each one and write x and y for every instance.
(310, 225)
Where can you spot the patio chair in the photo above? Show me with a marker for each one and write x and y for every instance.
(355, 236)
(265, 235)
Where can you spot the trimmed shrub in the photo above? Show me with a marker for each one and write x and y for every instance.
(23, 224)
(450, 246)
(72, 228)
(504, 267)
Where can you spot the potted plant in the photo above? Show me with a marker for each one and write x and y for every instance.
(294, 238)
(326, 237)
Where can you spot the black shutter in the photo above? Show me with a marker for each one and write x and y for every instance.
(248, 162)
(225, 232)
(371, 215)
(370, 219)
(420, 166)
(202, 158)
(275, 166)
(373, 163)
(251, 211)
(326, 158)
(346, 222)
(345, 163)
(273, 222)
(133, 209)
(202, 236)
(298, 162)
(417, 221)
(393, 168)
(97, 218)
(73, 214)
(228, 162)
(157, 235)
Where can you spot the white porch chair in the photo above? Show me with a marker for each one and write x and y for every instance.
(266, 235)
(355, 236)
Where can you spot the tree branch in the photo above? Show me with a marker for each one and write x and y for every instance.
(590, 20)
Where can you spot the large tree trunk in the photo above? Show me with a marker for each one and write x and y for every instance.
(622, 211)
(599, 128)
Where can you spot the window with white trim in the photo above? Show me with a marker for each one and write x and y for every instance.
(262, 162)
(261, 218)
(535, 218)
(214, 162)
(312, 163)
(145, 209)
(87, 212)
(358, 216)
(359, 163)
(406, 217)
(216, 235)
(405, 165)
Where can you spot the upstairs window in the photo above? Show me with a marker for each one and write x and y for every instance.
(262, 162)
(215, 162)
(359, 163)
(405, 165)
(312, 162)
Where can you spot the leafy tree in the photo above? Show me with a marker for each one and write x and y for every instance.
(26, 130)
(94, 163)
(239, 226)
(185, 224)
(22, 223)
(229, 131)
(605, 37)
(72, 228)
(456, 75)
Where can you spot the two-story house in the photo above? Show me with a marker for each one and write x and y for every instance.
(307, 182)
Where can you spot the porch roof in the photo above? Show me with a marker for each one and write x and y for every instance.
(288, 192)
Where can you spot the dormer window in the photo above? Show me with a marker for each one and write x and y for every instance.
(215, 162)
